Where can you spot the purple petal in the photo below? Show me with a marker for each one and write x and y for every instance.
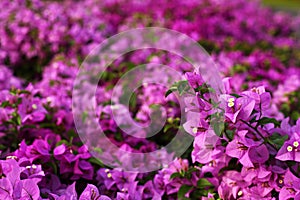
(89, 192)
(285, 194)
(233, 151)
(59, 150)
(30, 190)
(259, 154)
(265, 100)
(245, 160)
(5, 189)
(70, 192)
(12, 170)
(284, 155)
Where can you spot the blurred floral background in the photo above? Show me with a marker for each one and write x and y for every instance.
(253, 155)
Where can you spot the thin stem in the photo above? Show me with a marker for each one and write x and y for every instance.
(260, 114)
(259, 134)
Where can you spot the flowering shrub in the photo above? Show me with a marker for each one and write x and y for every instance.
(253, 153)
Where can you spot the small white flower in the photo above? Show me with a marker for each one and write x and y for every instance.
(195, 130)
(296, 144)
(240, 193)
(289, 148)
(230, 102)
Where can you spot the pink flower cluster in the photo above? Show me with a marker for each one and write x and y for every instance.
(246, 146)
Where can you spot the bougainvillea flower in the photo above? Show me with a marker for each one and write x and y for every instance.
(67, 193)
(247, 150)
(291, 187)
(205, 149)
(92, 192)
(232, 185)
(238, 108)
(12, 187)
(290, 149)
(255, 155)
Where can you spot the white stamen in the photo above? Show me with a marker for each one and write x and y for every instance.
(296, 144)
(231, 100)
(49, 99)
(195, 130)
(34, 106)
(240, 193)
(289, 148)
(11, 157)
(230, 104)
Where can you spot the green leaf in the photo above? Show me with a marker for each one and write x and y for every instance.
(192, 169)
(224, 143)
(96, 161)
(230, 134)
(98, 150)
(13, 92)
(19, 101)
(189, 172)
(2, 147)
(133, 101)
(71, 133)
(183, 190)
(18, 120)
(24, 92)
(62, 142)
(277, 139)
(235, 95)
(118, 136)
(196, 194)
(202, 89)
(238, 69)
(295, 115)
(175, 175)
(5, 104)
(171, 90)
(28, 126)
(180, 86)
(167, 127)
(84, 116)
(218, 128)
(217, 123)
(203, 183)
(266, 120)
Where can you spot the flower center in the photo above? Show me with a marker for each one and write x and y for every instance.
(265, 184)
(289, 148)
(240, 193)
(291, 190)
(230, 102)
(296, 144)
(255, 90)
(195, 130)
(242, 147)
(209, 146)
(11, 157)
